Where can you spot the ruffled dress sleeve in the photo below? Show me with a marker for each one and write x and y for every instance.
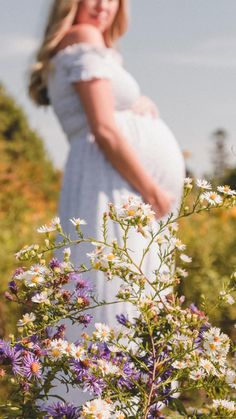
(87, 62)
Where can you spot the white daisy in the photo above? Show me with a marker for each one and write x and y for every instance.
(26, 319)
(57, 349)
(77, 221)
(227, 297)
(226, 404)
(203, 184)
(103, 332)
(226, 190)
(26, 249)
(46, 229)
(182, 272)
(32, 279)
(185, 258)
(211, 197)
(188, 181)
(177, 243)
(77, 352)
(55, 225)
(230, 378)
(197, 374)
(41, 298)
(96, 408)
(107, 368)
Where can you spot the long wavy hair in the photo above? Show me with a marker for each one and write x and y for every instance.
(61, 18)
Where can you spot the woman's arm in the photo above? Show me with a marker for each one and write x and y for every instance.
(97, 99)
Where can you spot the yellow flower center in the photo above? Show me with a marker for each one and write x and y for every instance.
(35, 279)
(131, 212)
(35, 367)
(110, 256)
(55, 352)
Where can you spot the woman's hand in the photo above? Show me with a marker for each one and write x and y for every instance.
(144, 106)
(161, 202)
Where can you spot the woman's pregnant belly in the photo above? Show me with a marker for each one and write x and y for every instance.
(156, 147)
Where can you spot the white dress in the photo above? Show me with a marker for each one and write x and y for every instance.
(90, 181)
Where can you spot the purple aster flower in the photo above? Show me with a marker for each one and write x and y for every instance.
(11, 356)
(54, 263)
(60, 333)
(13, 287)
(94, 385)
(123, 319)
(155, 412)
(129, 375)
(81, 369)
(85, 319)
(17, 272)
(62, 410)
(31, 366)
(82, 297)
(80, 283)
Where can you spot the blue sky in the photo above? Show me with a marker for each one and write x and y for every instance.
(182, 53)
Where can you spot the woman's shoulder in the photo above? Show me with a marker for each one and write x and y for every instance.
(81, 34)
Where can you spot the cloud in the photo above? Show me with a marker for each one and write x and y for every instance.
(213, 53)
(15, 45)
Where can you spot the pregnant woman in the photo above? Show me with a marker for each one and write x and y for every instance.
(118, 144)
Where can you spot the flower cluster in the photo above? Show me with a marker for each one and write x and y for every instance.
(140, 367)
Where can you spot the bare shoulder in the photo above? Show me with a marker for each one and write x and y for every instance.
(82, 33)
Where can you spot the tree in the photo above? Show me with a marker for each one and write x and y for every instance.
(28, 193)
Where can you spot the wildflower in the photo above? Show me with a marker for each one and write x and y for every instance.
(67, 253)
(226, 190)
(12, 285)
(77, 222)
(77, 352)
(26, 319)
(41, 298)
(85, 319)
(179, 365)
(12, 356)
(31, 366)
(27, 250)
(135, 211)
(216, 343)
(208, 366)
(175, 242)
(211, 197)
(188, 183)
(203, 184)
(230, 378)
(197, 374)
(103, 332)
(123, 319)
(226, 404)
(107, 368)
(185, 258)
(96, 408)
(57, 349)
(55, 225)
(227, 297)
(181, 272)
(60, 410)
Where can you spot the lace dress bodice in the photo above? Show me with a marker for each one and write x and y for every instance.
(86, 62)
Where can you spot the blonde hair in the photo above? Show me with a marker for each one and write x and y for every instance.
(61, 18)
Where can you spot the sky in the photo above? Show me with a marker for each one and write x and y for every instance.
(181, 52)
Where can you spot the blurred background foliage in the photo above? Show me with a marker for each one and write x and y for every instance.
(29, 194)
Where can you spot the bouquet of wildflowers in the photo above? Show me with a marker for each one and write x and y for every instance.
(141, 368)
